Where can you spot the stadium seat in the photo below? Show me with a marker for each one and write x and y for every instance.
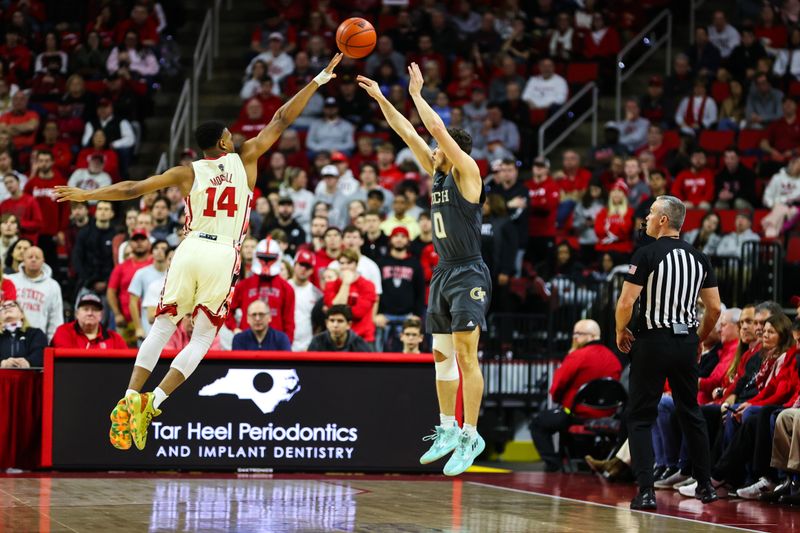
(716, 141)
(483, 166)
(758, 216)
(693, 218)
(727, 220)
(749, 161)
(672, 139)
(581, 73)
(793, 249)
(794, 88)
(538, 116)
(720, 90)
(749, 140)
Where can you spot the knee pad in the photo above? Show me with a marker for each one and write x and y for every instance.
(446, 370)
(202, 336)
(154, 343)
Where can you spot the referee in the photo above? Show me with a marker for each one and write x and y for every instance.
(666, 276)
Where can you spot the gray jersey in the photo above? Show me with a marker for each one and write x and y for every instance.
(456, 222)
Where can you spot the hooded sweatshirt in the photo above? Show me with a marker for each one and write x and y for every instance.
(782, 189)
(40, 299)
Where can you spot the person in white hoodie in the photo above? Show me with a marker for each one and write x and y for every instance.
(38, 294)
(782, 196)
(731, 244)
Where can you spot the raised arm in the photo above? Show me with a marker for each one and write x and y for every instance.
(181, 177)
(467, 174)
(254, 148)
(400, 125)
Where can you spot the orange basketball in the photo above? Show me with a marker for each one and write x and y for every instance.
(356, 37)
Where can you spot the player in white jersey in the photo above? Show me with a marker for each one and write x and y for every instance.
(218, 190)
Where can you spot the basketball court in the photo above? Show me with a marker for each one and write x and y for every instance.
(501, 502)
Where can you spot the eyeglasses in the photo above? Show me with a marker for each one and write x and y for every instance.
(8, 305)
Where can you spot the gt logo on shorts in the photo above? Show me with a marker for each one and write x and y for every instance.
(478, 294)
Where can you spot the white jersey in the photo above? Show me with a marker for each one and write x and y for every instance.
(218, 206)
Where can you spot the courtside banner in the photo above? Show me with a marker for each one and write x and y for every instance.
(260, 410)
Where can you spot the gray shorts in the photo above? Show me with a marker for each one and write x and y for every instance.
(459, 298)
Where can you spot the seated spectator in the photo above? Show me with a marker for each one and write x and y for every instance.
(259, 336)
(586, 211)
(697, 111)
(400, 217)
(49, 85)
(62, 152)
(338, 336)
(722, 35)
(548, 90)
(695, 185)
(411, 335)
(7, 91)
(572, 181)
(119, 133)
(253, 120)
(743, 58)
(602, 42)
(384, 51)
(252, 84)
(769, 31)
(86, 332)
(120, 280)
(496, 127)
(356, 292)
(763, 103)
(389, 176)
(306, 297)
(24, 207)
(183, 334)
(38, 295)
(55, 215)
(543, 199)
(16, 255)
(587, 360)
(21, 345)
(654, 143)
(782, 196)
(16, 55)
(783, 137)
(131, 53)
(7, 289)
(563, 40)
(280, 63)
(266, 284)
(459, 91)
(633, 129)
(140, 21)
(9, 233)
(331, 133)
(731, 243)
(508, 74)
(91, 178)
(704, 57)
(614, 224)
(89, 58)
(679, 83)
(99, 145)
(732, 111)
(638, 190)
(654, 105)
(21, 122)
(735, 184)
(706, 238)
(92, 254)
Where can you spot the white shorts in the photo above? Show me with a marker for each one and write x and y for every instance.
(200, 277)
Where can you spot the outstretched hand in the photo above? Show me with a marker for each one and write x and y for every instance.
(69, 194)
(327, 75)
(371, 86)
(335, 61)
(415, 80)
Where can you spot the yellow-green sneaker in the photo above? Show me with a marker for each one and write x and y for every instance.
(141, 410)
(120, 432)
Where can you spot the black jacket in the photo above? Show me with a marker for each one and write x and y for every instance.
(324, 343)
(741, 183)
(499, 245)
(92, 257)
(295, 233)
(29, 344)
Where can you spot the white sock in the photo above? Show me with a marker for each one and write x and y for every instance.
(131, 391)
(470, 430)
(447, 421)
(160, 396)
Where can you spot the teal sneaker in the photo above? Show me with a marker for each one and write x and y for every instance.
(444, 440)
(466, 452)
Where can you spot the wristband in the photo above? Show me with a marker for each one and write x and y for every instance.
(323, 77)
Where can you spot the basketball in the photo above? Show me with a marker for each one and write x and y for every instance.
(356, 37)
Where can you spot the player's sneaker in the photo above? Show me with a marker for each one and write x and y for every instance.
(120, 432)
(444, 440)
(140, 407)
(467, 451)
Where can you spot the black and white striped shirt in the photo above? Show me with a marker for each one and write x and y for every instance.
(671, 273)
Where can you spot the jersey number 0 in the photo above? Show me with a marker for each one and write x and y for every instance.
(438, 226)
(226, 202)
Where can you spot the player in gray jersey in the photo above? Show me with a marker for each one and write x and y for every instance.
(460, 289)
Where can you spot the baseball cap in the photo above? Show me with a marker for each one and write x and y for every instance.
(331, 102)
(338, 156)
(140, 233)
(276, 36)
(285, 200)
(795, 300)
(90, 299)
(620, 185)
(268, 258)
(304, 257)
(399, 229)
(329, 170)
(541, 162)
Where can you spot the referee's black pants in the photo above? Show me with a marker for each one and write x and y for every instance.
(658, 355)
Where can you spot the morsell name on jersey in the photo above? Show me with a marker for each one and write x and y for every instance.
(216, 180)
(440, 197)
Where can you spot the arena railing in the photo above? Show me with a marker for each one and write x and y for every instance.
(163, 163)
(652, 40)
(694, 5)
(567, 111)
(180, 127)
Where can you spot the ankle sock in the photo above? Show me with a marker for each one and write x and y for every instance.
(160, 396)
(447, 421)
(470, 430)
(131, 391)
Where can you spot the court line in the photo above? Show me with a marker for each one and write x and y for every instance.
(39, 510)
(531, 492)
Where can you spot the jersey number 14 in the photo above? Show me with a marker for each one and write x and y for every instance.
(225, 202)
(438, 226)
